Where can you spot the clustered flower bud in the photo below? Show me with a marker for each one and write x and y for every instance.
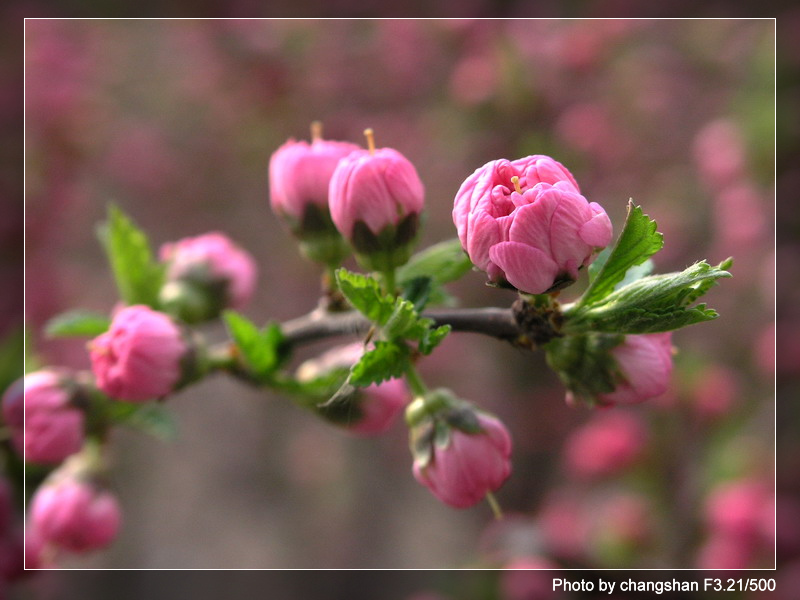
(645, 365)
(376, 198)
(603, 369)
(299, 178)
(74, 515)
(460, 453)
(140, 357)
(371, 410)
(206, 274)
(525, 223)
(52, 426)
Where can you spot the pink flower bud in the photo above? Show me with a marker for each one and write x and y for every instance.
(300, 173)
(645, 366)
(140, 356)
(380, 406)
(53, 427)
(523, 579)
(526, 223)
(464, 467)
(34, 550)
(211, 259)
(75, 515)
(372, 410)
(376, 198)
(606, 445)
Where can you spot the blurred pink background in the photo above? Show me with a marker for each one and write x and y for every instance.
(176, 120)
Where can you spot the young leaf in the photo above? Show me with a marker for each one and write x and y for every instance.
(442, 262)
(650, 304)
(638, 241)
(418, 291)
(386, 361)
(432, 338)
(364, 293)
(260, 349)
(77, 323)
(153, 419)
(136, 272)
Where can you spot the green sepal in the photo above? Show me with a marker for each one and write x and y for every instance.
(585, 363)
(389, 248)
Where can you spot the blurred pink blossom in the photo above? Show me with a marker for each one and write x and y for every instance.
(608, 444)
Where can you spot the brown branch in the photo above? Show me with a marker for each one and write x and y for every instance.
(317, 325)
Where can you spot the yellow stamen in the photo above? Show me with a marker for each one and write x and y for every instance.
(515, 181)
(495, 506)
(370, 135)
(316, 130)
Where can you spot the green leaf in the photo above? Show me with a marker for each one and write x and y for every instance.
(260, 349)
(650, 304)
(364, 293)
(418, 291)
(432, 338)
(137, 274)
(153, 419)
(77, 323)
(638, 241)
(12, 356)
(386, 361)
(442, 262)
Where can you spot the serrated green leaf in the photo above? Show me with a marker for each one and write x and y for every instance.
(153, 419)
(137, 274)
(584, 363)
(260, 349)
(432, 338)
(638, 241)
(651, 304)
(386, 361)
(442, 262)
(365, 294)
(77, 323)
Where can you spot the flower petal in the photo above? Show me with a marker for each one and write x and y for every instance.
(526, 268)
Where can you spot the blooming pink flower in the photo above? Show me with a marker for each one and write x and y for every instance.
(645, 365)
(213, 255)
(299, 174)
(140, 356)
(607, 444)
(534, 239)
(53, 428)
(379, 188)
(75, 515)
(468, 466)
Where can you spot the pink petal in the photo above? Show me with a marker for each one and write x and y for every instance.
(483, 232)
(526, 268)
(597, 231)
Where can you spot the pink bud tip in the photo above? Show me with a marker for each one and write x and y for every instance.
(139, 357)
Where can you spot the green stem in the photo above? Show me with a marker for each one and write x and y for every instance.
(415, 382)
(495, 506)
(389, 282)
